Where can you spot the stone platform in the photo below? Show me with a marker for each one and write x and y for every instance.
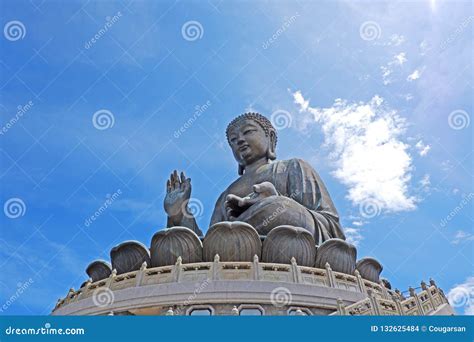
(245, 288)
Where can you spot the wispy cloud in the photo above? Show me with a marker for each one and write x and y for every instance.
(462, 236)
(353, 235)
(388, 69)
(414, 75)
(370, 158)
(422, 148)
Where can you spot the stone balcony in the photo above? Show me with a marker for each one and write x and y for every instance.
(224, 287)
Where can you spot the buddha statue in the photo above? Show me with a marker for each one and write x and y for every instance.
(268, 193)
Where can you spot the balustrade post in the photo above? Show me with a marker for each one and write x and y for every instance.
(176, 271)
(256, 268)
(330, 275)
(417, 301)
(360, 282)
(295, 271)
(341, 309)
(215, 267)
(141, 274)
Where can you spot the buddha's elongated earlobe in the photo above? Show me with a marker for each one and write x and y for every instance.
(271, 154)
(241, 169)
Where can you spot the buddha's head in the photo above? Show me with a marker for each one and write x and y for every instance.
(251, 137)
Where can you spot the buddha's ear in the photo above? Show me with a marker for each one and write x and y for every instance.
(272, 145)
(241, 169)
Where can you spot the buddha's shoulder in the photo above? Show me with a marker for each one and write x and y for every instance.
(293, 162)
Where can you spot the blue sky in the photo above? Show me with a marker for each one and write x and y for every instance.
(374, 96)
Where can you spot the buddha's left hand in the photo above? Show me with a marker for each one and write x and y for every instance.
(236, 205)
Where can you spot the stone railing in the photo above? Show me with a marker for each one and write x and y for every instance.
(217, 270)
(427, 302)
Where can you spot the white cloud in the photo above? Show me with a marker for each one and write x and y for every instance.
(358, 223)
(462, 236)
(353, 236)
(422, 148)
(389, 68)
(394, 40)
(409, 97)
(386, 72)
(400, 58)
(414, 75)
(461, 296)
(369, 156)
(425, 182)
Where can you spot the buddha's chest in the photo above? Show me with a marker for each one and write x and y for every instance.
(244, 185)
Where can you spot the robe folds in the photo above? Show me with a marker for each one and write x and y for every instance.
(295, 179)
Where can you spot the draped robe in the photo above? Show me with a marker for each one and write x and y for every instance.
(295, 179)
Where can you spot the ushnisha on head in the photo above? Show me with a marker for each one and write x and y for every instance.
(252, 137)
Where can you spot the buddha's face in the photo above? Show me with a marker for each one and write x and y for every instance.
(248, 142)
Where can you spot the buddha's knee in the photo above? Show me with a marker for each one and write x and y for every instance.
(275, 211)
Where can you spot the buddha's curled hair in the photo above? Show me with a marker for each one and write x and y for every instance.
(258, 118)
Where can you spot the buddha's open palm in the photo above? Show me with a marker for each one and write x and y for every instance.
(178, 191)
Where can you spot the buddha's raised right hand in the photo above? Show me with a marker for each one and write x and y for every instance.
(178, 191)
